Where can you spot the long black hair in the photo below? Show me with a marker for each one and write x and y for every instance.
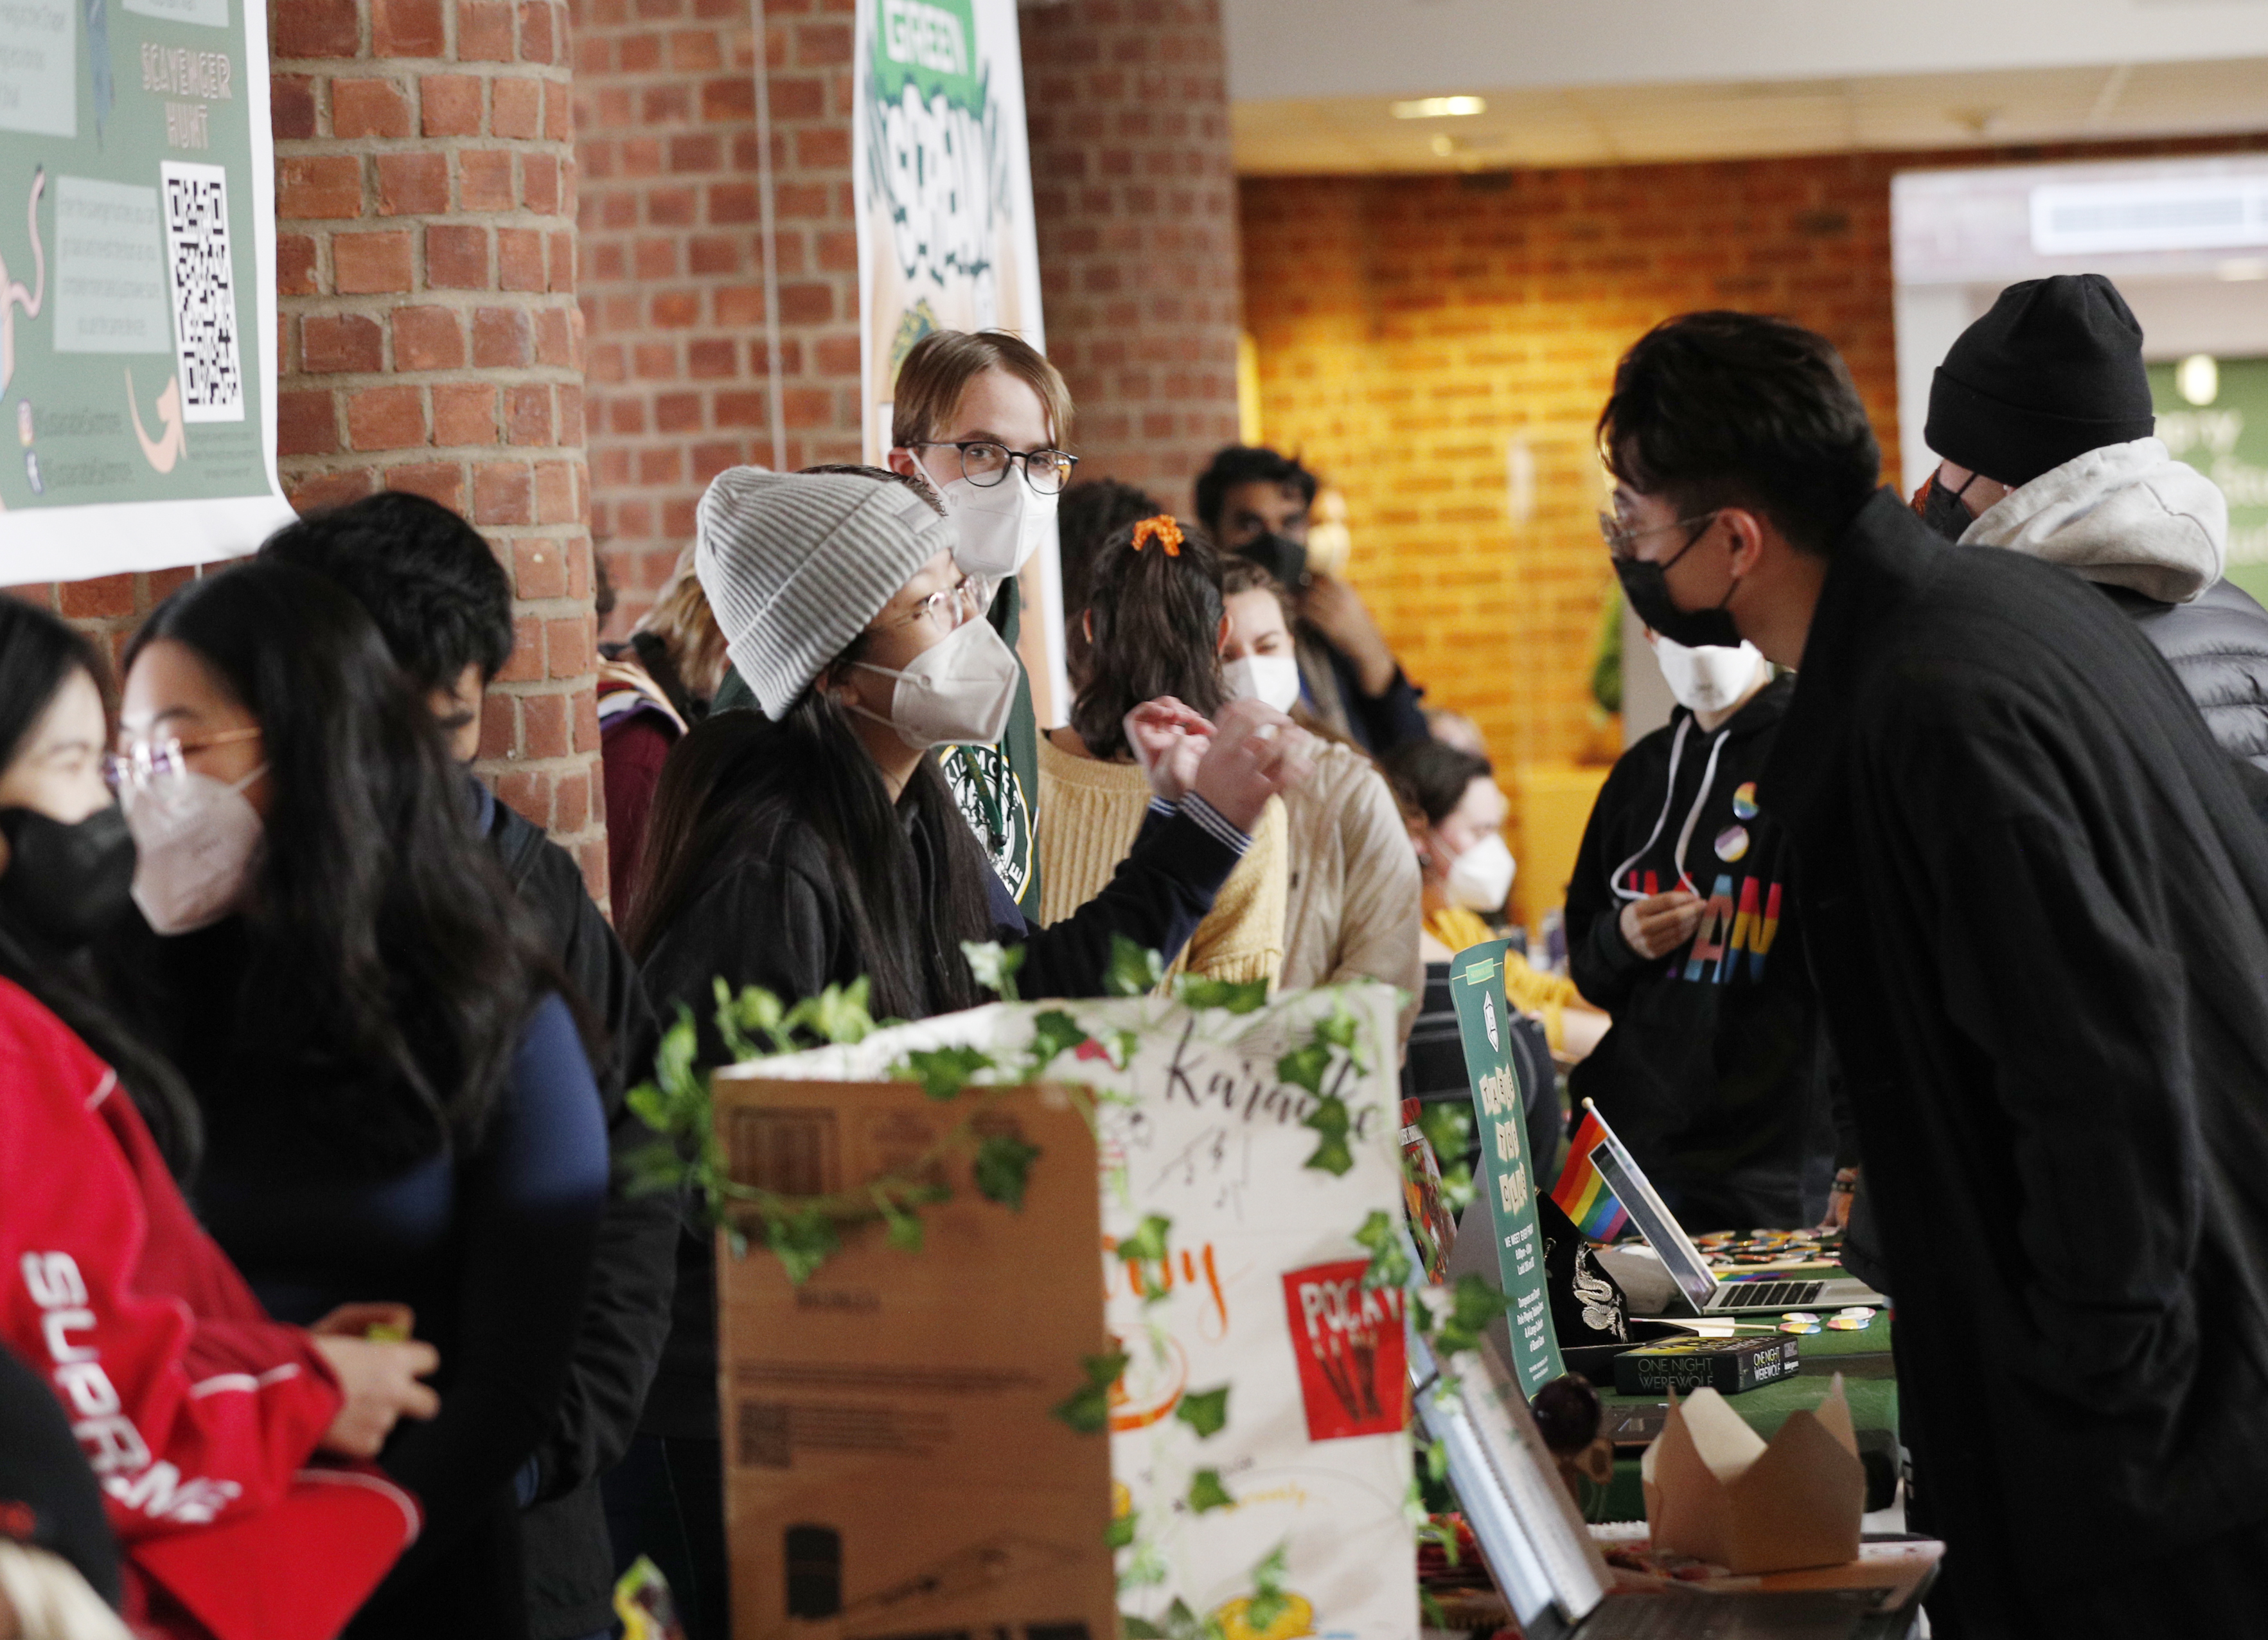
(735, 769)
(39, 655)
(389, 965)
(1156, 609)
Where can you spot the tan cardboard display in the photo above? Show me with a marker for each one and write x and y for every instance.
(1714, 1490)
(893, 1465)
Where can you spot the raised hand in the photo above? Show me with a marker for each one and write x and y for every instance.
(1256, 752)
(1169, 741)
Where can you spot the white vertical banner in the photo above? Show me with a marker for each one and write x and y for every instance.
(941, 173)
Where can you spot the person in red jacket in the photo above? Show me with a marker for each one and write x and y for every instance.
(204, 1423)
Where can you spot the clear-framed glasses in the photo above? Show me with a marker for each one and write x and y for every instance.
(145, 762)
(949, 609)
(1622, 540)
(985, 464)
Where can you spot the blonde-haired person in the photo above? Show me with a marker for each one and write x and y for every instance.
(1352, 899)
(1154, 623)
(652, 690)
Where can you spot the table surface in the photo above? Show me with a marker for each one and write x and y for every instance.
(1869, 1384)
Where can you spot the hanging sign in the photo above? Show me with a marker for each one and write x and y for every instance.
(942, 182)
(137, 286)
(1507, 1185)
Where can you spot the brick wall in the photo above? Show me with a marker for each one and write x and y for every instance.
(1410, 328)
(425, 187)
(672, 273)
(1134, 190)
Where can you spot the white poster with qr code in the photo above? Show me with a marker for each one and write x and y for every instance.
(137, 287)
(203, 279)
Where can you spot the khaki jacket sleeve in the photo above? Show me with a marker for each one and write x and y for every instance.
(1383, 910)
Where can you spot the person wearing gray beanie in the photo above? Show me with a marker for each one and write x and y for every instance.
(2042, 412)
(817, 842)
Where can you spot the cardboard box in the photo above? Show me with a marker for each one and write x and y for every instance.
(1715, 1491)
(893, 1464)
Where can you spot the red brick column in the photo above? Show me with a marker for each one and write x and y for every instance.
(673, 288)
(425, 188)
(1135, 190)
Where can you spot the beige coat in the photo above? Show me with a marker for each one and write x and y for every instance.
(1354, 904)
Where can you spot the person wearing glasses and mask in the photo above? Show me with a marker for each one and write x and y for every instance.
(190, 1406)
(817, 841)
(979, 418)
(397, 1100)
(1680, 926)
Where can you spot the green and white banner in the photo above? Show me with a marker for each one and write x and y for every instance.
(2213, 414)
(138, 304)
(942, 177)
(1507, 1185)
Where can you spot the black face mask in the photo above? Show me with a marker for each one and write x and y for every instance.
(67, 884)
(1285, 560)
(1942, 511)
(1647, 588)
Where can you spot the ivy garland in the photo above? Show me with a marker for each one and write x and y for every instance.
(803, 1231)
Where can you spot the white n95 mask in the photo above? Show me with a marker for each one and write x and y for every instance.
(1272, 680)
(957, 693)
(1706, 680)
(195, 840)
(1481, 877)
(999, 526)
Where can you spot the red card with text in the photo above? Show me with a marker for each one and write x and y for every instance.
(1348, 1339)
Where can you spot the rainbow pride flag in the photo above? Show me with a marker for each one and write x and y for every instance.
(1582, 1194)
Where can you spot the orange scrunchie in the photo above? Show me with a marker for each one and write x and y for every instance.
(1164, 530)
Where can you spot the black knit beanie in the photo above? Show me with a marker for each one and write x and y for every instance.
(2055, 370)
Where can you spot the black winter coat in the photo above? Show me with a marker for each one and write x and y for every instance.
(1710, 1074)
(771, 914)
(2218, 647)
(564, 1545)
(2033, 897)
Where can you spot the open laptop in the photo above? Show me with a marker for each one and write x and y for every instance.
(1550, 1571)
(1697, 1284)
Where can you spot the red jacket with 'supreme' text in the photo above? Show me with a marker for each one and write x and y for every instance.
(199, 1415)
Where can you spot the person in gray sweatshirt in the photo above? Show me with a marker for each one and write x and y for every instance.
(2042, 413)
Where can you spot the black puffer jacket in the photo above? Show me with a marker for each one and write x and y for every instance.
(2218, 647)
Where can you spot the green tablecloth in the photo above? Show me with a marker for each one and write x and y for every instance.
(1863, 1358)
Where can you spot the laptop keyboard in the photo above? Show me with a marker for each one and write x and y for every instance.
(1767, 1294)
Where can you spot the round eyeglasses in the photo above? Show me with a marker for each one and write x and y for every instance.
(143, 763)
(947, 609)
(985, 464)
(1622, 539)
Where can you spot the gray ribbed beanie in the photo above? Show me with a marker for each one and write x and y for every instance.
(796, 563)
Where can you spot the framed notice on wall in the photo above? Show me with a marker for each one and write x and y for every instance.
(137, 286)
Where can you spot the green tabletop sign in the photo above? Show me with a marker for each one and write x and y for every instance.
(1499, 1107)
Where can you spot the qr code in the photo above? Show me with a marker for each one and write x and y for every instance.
(203, 277)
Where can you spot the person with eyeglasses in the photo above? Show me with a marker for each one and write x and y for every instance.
(978, 418)
(189, 1405)
(2034, 904)
(397, 1098)
(817, 841)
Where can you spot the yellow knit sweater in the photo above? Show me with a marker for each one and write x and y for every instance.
(1089, 815)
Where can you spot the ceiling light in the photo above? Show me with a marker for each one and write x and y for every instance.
(1438, 107)
(2197, 379)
